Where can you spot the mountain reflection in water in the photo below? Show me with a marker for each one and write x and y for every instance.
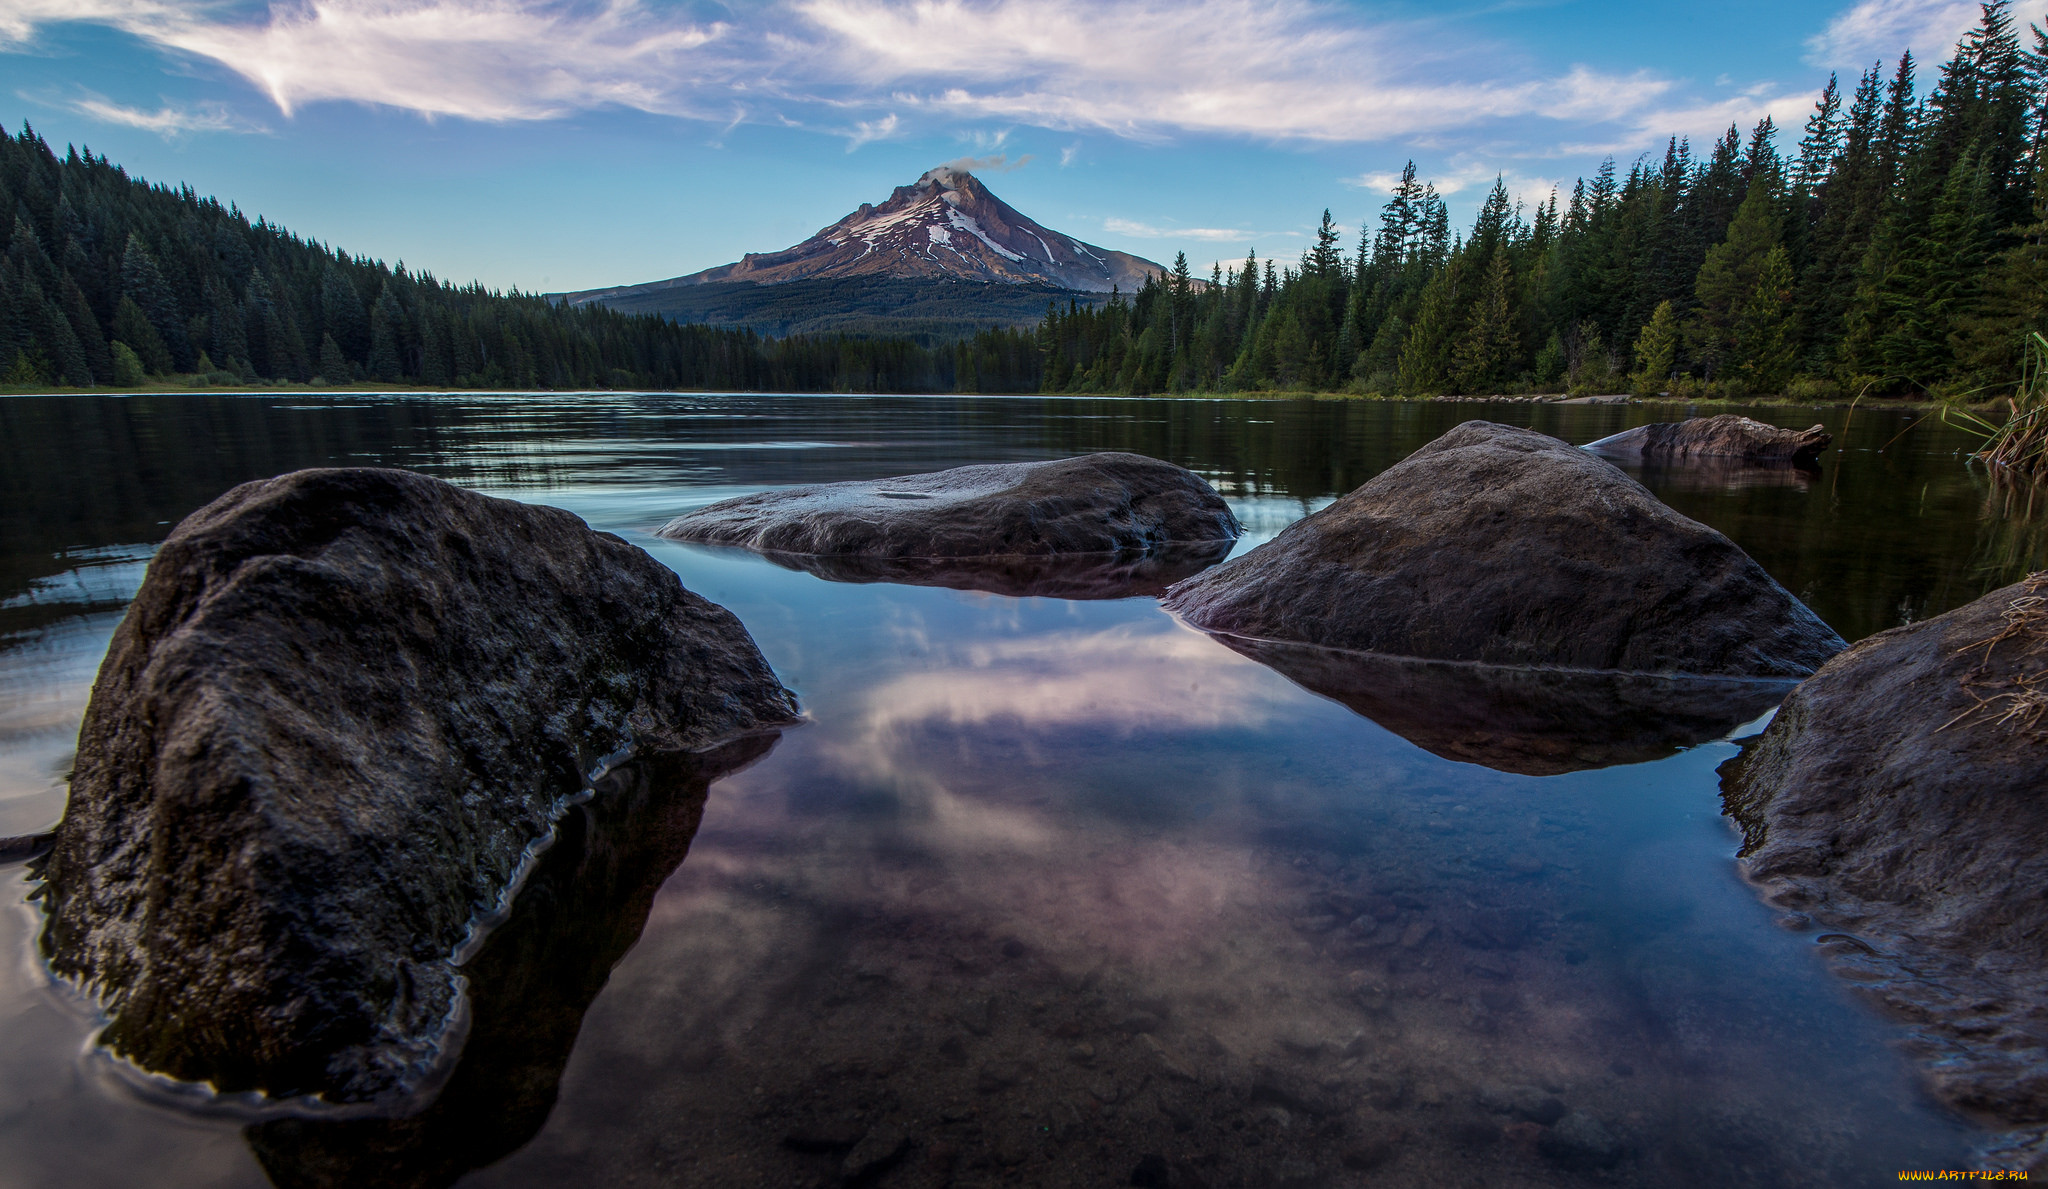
(1049, 890)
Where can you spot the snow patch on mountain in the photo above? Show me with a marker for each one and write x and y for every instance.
(985, 238)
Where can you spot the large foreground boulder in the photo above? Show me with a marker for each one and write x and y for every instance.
(1096, 503)
(1509, 547)
(343, 711)
(1728, 436)
(1900, 797)
(1528, 721)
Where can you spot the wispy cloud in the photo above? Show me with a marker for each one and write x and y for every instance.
(493, 60)
(1220, 235)
(872, 130)
(168, 121)
(1286, 70)
(1466, 177)
(1873, 29)
(1279, 70)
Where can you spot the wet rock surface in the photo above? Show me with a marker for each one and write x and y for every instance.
(18, 847)
(580, 911)
(1094, 503)
(1509, 547)
(1535, 722)
(1064, 576)
(341, 710)
(1897, 799)
(1728, 436)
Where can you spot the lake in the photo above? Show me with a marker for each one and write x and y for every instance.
(1043, 892)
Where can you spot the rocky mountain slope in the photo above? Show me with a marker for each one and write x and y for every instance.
(947, 226)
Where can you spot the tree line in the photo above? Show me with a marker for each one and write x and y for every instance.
(110, 280)
(1901, 246)
(1898, 247)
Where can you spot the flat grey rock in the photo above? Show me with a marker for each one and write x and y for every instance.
(1897, 798)
(343, 708)
(1725, 436)
(1096, 503)
(1509, 547)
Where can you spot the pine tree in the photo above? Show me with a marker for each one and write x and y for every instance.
(53, 334)
(98, 360)
(1936, 277)
(132, 326)
(142, 282)
(1763, 350)
(1425, 366)
(1656, 351)
(333, 364)
(1729, 276)
(1325, 261)
(128, 368)
(341, 315)
(1489, 345)
(1821, 146)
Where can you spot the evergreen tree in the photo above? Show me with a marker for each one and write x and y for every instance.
(1763, 350)
(1729, 276)
(142, 282)
(333, 364)
(132, 326)
(342, 316)
(1425, 361)
(1656, 351)
(86, 327)
(128, 368)
(1489, 345)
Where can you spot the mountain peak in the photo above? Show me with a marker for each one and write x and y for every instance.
(945, 177)
(947, 225)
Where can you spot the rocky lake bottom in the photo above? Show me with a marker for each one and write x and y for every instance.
(1043, 891)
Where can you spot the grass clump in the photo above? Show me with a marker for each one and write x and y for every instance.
(2020, 444)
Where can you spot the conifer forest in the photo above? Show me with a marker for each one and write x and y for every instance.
(1897, 246)
(109, 280)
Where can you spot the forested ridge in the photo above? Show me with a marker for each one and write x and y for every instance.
(108, 280)
(1897, 248)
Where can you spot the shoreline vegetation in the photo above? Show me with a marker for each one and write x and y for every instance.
(179, 385)
(1898, 252)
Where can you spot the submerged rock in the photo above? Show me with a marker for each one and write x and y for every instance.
(1532, 722)
(1063, 576)
(343, 708)
(1509, 547)
(1096, 503)
(1898, 798)
(1727, 436)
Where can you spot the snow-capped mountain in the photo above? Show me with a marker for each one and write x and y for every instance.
(946, 226)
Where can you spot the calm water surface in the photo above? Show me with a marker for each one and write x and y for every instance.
(1046, 892)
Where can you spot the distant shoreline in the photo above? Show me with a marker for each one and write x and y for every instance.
(1889, 402)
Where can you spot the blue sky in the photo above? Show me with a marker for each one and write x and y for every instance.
(555, 144)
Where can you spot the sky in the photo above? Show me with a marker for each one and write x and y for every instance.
(568, 144)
